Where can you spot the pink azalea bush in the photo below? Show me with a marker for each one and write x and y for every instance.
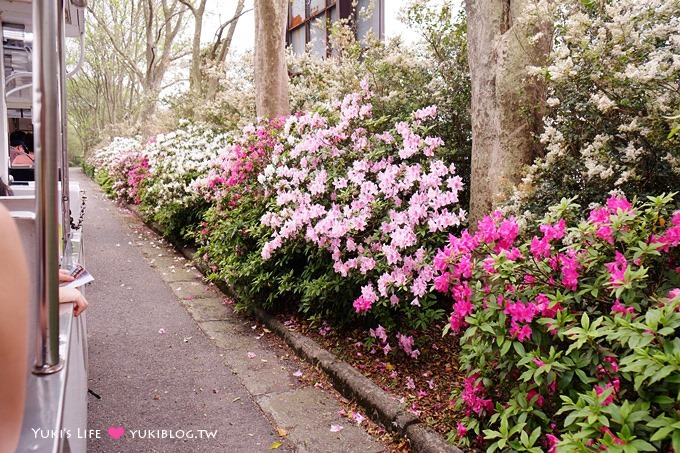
(336, 212)
(236, 168)
(230, 235)
(377, 200)
(569, 335)
(128, 173)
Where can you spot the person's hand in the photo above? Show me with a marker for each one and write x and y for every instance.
(73, 295)
(64, 276)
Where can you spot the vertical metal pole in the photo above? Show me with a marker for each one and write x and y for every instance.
(47, 149)
(67, 250)
(4, 126)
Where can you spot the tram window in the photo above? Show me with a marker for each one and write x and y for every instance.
(22, 174)
(14, 36)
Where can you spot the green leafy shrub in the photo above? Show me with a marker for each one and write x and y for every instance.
(343, 209)
(569, 339)
(613, 91)
(157, 175)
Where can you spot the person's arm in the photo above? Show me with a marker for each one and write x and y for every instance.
(67, 294)
(71, 294)
(14, 305)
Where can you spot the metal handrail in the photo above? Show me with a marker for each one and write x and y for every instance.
(47, 150)
(74, 71)
(16, 75)
(81, 59)
(19, 88)
(63, 161)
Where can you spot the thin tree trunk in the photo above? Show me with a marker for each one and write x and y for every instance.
(195, 82)
(221, 47)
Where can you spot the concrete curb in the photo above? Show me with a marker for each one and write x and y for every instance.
(379, 406)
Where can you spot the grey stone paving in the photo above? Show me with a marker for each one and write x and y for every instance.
(208, 371)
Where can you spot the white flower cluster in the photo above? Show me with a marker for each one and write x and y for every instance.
(177, 159)
(613, 84)
(106, 157)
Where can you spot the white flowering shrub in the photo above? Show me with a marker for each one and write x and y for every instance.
(158, 174)
(176, 160)
(106, 156)
(613, 90)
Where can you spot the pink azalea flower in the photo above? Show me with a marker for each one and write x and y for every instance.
(613, 363)
(406, 344)
(520, 332)
(671, 238)
(540, 248)
(607, 432)
(675, 220)
(570, 270)
(610, 399)
(361, 304)
(531, 394)
(487, 231)
(672, 294)
(604, 232)
(425, 113)
(513, 254)
(552, 442)
(552, 387)
(489, 265)
(441, 282)
(379, 333)
(507, 231)
(552, 232)
(599, 216)
(618, 203)
(461, 430)
(473, 395)
(618, 307)
(617, 269)
(520, 311)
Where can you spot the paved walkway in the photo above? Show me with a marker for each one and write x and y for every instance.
(178, 371)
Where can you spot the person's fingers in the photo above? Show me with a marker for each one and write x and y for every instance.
(64, 276)
(81, 306)
(73, 295)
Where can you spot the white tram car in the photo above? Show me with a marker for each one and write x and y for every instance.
(33, 81)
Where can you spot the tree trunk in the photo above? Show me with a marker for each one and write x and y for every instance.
(195, 78)
(507, 104)
(221, 47)
(271, 71)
